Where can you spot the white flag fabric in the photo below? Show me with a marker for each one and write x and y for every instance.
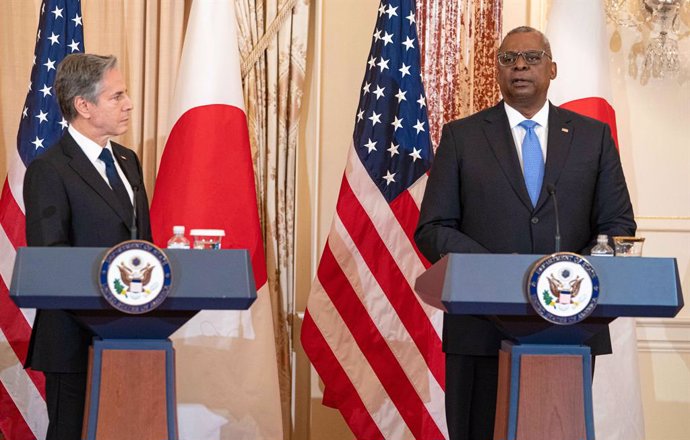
(577, 32)
(227, 375)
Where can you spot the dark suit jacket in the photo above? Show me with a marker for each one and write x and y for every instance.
(476, 201)
(68, 203)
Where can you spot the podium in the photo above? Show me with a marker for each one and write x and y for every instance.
(544, 369)
(131, 378)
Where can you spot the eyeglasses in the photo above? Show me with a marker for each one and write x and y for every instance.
(531, 57)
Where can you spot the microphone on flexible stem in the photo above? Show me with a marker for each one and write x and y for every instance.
(134, 232)
(552, 192)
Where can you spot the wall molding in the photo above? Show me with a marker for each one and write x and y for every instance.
(315, 184)
(656, 335)
(663, 223)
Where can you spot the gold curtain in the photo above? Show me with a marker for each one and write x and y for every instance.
(147, 37)
(273, 85)
(459, 41)
(16, 18)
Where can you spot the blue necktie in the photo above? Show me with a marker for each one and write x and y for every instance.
(115, 182)
(532, 161)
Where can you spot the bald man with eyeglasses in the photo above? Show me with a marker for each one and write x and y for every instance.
(487, 194)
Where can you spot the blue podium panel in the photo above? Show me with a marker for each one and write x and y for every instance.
(123, 403)
(494, 284)
(541, 354)
(67, 278)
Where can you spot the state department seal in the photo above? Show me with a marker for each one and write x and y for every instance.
(135, 277)
(563, 288)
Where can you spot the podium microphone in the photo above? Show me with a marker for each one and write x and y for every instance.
(552, 192)
(134, 232)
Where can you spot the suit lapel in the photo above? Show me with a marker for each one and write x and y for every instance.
(131, 172)
(127, 165)
(558, 148)
(497, 131)
(88, 173)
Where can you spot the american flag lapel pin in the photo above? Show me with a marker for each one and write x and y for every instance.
(564, 130)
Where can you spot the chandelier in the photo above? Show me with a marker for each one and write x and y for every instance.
(661, 24)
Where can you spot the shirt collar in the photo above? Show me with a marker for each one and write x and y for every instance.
(89, 147)
(515, 117)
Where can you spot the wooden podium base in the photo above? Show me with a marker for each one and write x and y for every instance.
(130, 391)
(544, 393)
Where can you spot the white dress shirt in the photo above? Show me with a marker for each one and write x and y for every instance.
(92, 151)
(541, 130)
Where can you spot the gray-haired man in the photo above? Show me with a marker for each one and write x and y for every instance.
(80, 192)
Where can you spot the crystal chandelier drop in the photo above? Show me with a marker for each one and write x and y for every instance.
(659, 23)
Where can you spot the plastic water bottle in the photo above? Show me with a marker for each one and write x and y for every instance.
(178, 240)
(602, 249)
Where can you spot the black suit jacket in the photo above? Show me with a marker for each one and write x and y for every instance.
(476, 201)
(68, 203)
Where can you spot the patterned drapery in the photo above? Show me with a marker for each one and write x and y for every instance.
(273, 92)
(459, 42)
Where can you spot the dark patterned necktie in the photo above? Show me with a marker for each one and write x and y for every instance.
(115, 182)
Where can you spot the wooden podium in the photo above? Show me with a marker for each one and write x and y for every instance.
(131, 377)
(545, 381)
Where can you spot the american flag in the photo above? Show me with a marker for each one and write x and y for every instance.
(375, 345)
(22, 398)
